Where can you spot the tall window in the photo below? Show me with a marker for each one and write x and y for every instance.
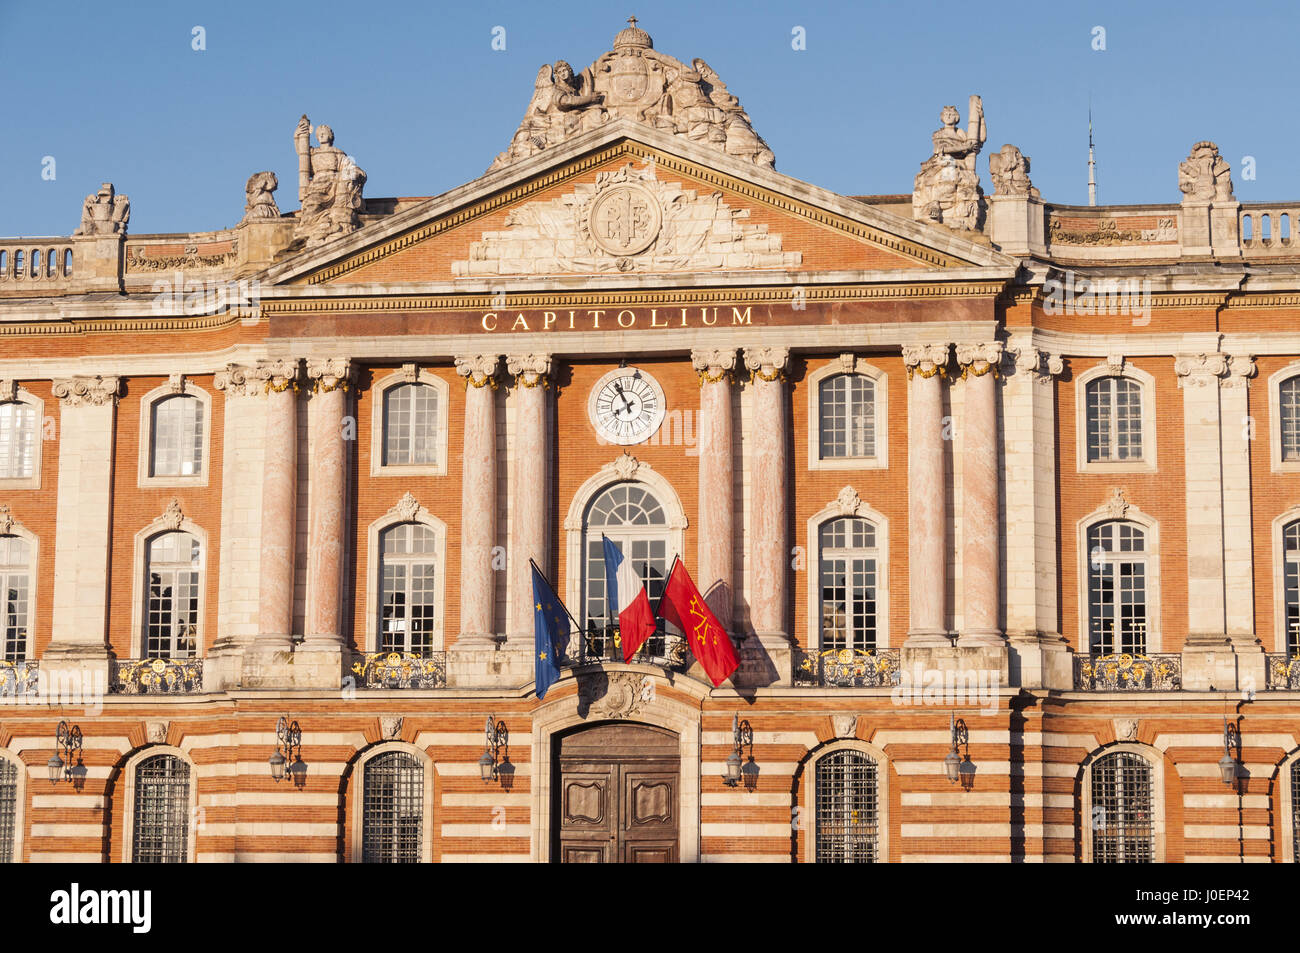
(8, 809)
(17, 440)
(407, 598)
(1114, 407)
(392, 824)
(177, 437)
(633, 519)
(848, 584)
(848, 417)
(410, 425)
(847, 801)
(1289, 409)
(172, 603)
(15, 583)
(1117, 588)
(160, 832)
(1291, 577)
(1295, 811)
(1123, 831)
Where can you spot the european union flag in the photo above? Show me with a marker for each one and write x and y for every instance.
(551, 631)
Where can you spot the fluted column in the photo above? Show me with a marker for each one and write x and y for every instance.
(478, 507)
(279, 503)
(927, 369)
(981, 578)
(717, 522)
(528, 478)
(329, 381)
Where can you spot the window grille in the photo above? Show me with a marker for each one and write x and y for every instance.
(848, 417)
(15, 583)
(177, 437)
(1117, 588)
(162, 801)
(8, 809)
(410, 425)
(1114, 419)
(847, 808)
(848, 584)
(172, 609)
(393, 810)
(1122, 827)
(407, 598)
(17, 440)
(634, 520)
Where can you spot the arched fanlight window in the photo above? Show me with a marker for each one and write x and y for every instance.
(174, 574)
(847, 800)
(847, 563)
(392, 816)
(1121, 821)
(407, 594)
(160, 811)
(1118, 586)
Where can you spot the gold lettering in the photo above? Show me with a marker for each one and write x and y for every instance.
(570, 320)
(548, 318)
(493, 326)
(704, 316)
(595, 318)
(654, 320)
(738, 318)
(518, 321)
(683, 317)
(631, 319)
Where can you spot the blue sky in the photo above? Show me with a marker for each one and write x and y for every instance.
(415, 92)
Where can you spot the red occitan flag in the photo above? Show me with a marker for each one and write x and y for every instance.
(684, 607)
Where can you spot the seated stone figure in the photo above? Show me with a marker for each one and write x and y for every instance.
(947, 189)
(329, 187)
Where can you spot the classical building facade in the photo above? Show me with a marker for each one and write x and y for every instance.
(998, 498)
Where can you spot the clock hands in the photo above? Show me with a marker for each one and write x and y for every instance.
(627, 404)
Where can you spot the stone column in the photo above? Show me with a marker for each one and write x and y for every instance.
(478, 508)
(76, 660)
(529, 471)
(769, 548)
(330, 380)
(981, 576)
(1238, 553)
(716, 560)
(927, 368)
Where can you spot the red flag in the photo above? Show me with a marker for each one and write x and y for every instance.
(684, 607)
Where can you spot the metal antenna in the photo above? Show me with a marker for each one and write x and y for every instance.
(1092, 162)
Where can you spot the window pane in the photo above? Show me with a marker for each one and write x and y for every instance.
(848, 416)
(410, 425)
(1289, 409)
(177, 437)
(407, 593)
(17, 440)
(172, 598)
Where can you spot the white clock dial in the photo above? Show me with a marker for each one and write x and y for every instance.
(626, 406)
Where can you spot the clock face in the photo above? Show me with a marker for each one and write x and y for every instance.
(626, 406)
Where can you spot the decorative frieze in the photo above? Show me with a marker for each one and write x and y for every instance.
(479, 370)
(926, 359)
(87, 391)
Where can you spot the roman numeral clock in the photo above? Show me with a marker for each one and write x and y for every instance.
(626, 406)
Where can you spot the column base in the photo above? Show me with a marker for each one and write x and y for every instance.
(765, 659)
(1040, 660)
(75, 674)
(480, 663)
(272, 666)
(223, 667)
(922, 664)
(981, 638)
(928, 638)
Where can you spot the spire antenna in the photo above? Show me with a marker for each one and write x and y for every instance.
(1092, 161)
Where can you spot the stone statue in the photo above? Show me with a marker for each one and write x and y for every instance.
(635, 82)
(1205, 176)
(259, 203)
(947, 189)
(329, 187)
(104, 213)
(1009, 169)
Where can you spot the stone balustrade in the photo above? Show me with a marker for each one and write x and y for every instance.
(37, 262)
(1267, 227)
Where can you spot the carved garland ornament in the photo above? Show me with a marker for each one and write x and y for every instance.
(479, 370)
(713, 365)
(767, 363)
(979, 359)
(926, 360)
(530, 370)
(330, 374)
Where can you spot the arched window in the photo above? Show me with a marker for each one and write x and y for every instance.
(1289, 418)
(160, 811)
(172, 600)
(1121, 819)
(1291, 581)
(177, 437)
(847, 563)
(15, 584)
(67, 263)
(633, 519)
(407, 594)
(847, 408)
(18, 263)
(8, 809)
(18, 422)
(411, 432)
(35, 259)
(1114, 420)
(51, 263)
(848, 808)
(392, 815)
(1118, 584)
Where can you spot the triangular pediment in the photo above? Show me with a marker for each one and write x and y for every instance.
(627, 200)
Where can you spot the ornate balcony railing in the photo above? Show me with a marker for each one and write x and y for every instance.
(401, 670)
(598, 645)
(1128, 672)
(1283, 672)
(848, 668)
(18, 678)
(156, 676)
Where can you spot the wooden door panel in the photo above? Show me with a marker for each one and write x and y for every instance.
(584, 800)
(649, 800)
(574, 853)
(650, 852)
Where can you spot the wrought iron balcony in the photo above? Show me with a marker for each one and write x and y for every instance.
(848, 668)
(19, 678)
(598, 645)
(1128, 672)
(1283, 672)
(401, 670)
(156, 676)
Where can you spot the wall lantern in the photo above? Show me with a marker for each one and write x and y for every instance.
(287, 759)
(742, 737)
(495, 764)
(957, 768)
(68, 741)
(1228, 766)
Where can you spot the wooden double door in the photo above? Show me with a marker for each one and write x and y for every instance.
(616, 795)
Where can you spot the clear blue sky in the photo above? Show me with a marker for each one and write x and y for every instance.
(415, 92)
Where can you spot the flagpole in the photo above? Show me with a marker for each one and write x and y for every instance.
(676, 558)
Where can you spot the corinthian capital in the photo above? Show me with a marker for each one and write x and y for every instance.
(767, 363)
(278, 375)
(713, 364)
(479, 370)
(978, 359)
(529, 370)
(239, 380)
(926, 359)
(1198, 370)
(82, 391)
(329, 373)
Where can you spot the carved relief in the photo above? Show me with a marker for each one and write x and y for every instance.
(156, 731)
(977, 360)
(329, 374)
(713, 364)
(104, 213)
(767, 363)
(1205, 176)
(407, 508)
(1126, 729)
(259, 203)
(173, 516)
(926, 359)
(529, 370)
(6, 521)
(1116, 507)
(1009, 169)
(1198, 370)
(390, 727)
(8, 390)
(846, 726)
(479, 370)
(87, 391)
(848, 502)
(615, 695)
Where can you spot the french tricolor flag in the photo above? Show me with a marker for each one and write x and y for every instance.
(626, 596)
